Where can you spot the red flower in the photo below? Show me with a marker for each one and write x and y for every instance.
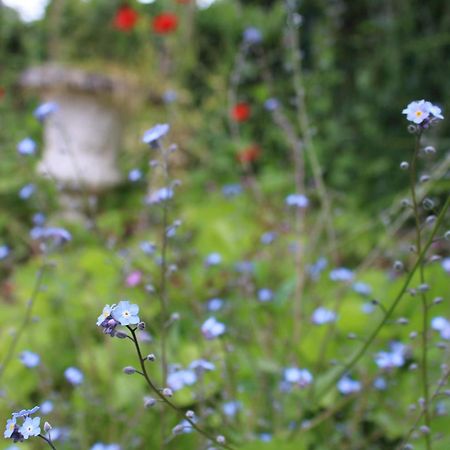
(126, 18)
(249, 154)
(241, 112)
(165, 23)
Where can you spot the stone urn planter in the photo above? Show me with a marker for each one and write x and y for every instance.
(82, 137)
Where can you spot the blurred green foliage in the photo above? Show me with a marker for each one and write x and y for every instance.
(362, 63)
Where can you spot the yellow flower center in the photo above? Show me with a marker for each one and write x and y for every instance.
(418, 113)
(126, 313)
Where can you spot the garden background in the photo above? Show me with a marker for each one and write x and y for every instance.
(244, 85)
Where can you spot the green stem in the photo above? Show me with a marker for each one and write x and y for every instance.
(36, 288)
(424, 365)
(164, 398)
(359, 354)
(49, 442)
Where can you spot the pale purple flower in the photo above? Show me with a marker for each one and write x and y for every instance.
(213, 259)
(341, 274)
(126, 313)
(297, 200)
(4, 252)
(231, 190)
(105, 314)
(215, 304)
(265, 295)
(30, 359)
(27, 147)
(10, 427)
(442, 325)
(231, 408)
(252, 36)
(348, 386)
(181, 378)
(268, 237)
(26, 412)
(244, 267)
(201, 365)
(46, 407)
(30, 427)
(419, 111)
(169, 96)
(445, 263)
(299, 377)
(147, 247)
(134, 175)
(57, 235)
(153, 135)
(160, 195)
(389, 360)
(44, 110)
(317, 268)
(362, 288)
(212, 328)
(27, 191)
(74, 376)
(323, 315)
(271, 104)
(368, 308)
(380, 384)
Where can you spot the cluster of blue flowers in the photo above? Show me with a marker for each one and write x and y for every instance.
(124, 313)
(29, 427)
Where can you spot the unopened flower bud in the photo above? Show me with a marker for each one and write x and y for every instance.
(121, 335)
(149, 402)
(47, 427)
(178, 429)
(220, 439)
(402, 321)
(428, 203)
(190, 414)
(429, 150)
(405, 203)
(424, 429)
(174, 317)
(404, 165)
(413, 335)
(412, 129)
(167, 392)
(413, 366)
(398, 266)
(141, 325)
(430, 219)
(129, 370)
(438, 300)
(423, 287)
(447, 235)
(151, 357)
(424, 178)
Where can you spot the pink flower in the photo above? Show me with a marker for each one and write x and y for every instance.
(134, 278)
